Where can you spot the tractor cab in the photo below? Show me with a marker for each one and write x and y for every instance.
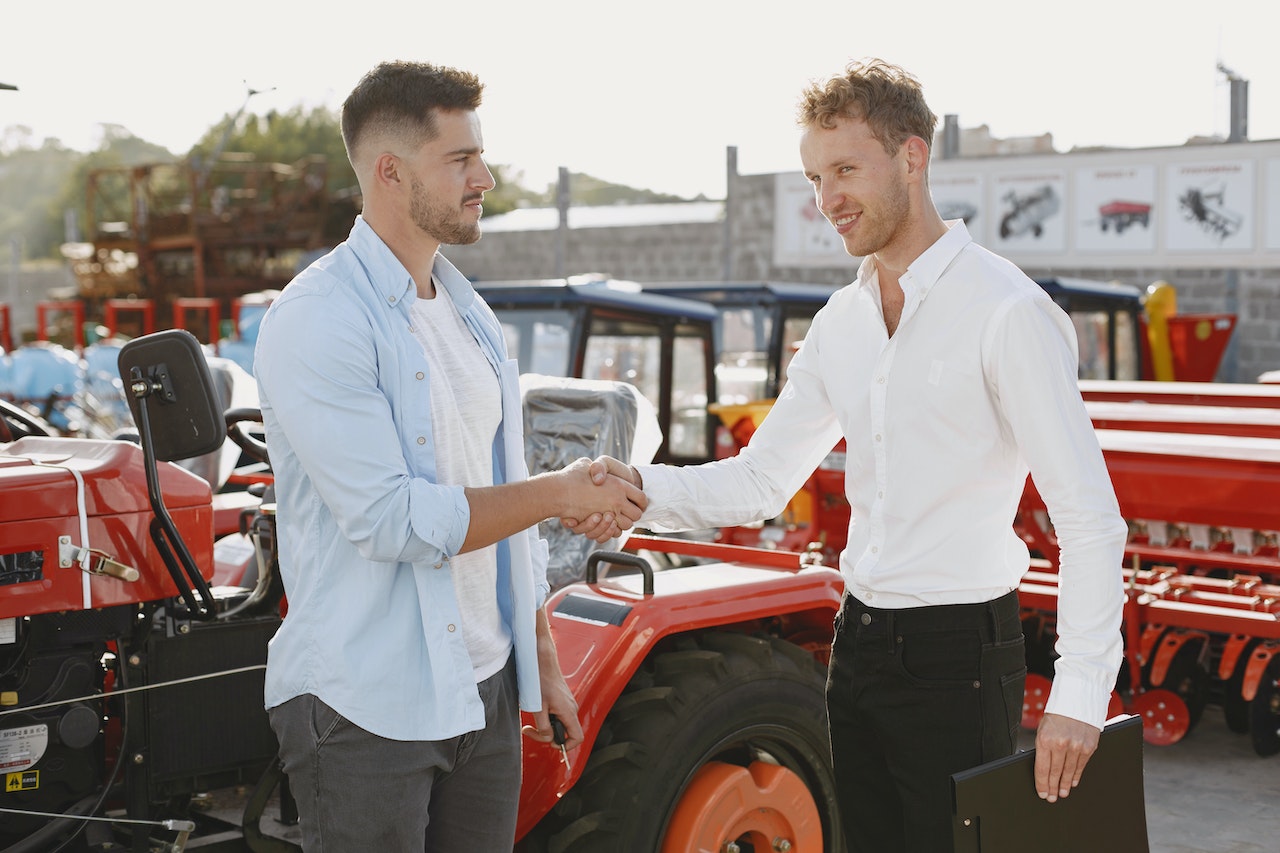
(1108, 317)
(760, 324)
(593, 328)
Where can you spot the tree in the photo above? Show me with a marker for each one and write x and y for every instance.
(277, 137)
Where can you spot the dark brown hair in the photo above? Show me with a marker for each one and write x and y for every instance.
(401, 98)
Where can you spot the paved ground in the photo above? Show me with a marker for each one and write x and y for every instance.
(1211, 793)
(1208, 793)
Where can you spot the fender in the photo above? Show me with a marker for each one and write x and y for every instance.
(603, 632)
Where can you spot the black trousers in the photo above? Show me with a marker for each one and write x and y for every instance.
(914, 695)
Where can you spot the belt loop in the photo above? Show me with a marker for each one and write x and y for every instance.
(997, 621)
(993, 613)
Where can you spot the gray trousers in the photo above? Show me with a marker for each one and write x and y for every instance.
(358, 792)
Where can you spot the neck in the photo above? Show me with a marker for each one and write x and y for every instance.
(916, 236)
(413, 248)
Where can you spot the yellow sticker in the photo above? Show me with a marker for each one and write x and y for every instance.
(28, 780)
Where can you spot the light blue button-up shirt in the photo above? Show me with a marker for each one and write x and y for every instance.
(365, 532)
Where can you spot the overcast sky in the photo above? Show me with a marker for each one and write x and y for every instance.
(647, 94)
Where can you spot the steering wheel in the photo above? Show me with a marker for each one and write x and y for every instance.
(253, 448)
(12, 415)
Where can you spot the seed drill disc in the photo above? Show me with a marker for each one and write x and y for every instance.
(1165, 717)
(1034, 697)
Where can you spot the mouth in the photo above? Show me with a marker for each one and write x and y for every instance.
(844, 222)
(474, 202)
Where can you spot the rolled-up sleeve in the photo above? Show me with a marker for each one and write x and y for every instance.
(318, 373)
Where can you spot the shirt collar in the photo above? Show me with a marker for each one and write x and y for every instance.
(925, 270)
(393, 281)
(386, 272)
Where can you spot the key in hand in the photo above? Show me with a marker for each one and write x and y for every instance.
(558, 734)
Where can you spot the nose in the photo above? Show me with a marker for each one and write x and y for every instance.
(826, 199)
(483, 179)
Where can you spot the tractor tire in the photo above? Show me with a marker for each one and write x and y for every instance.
(716, 702)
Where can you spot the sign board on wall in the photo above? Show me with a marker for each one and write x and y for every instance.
(1196, 206)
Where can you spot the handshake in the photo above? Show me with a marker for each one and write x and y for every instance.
(605, 498)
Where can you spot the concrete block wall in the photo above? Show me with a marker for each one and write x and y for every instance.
(694, 252)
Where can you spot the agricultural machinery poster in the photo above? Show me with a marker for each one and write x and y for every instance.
(802, 237)
(959, 196)
(1114, 209)
(1030, 212)
(1273, 204)
(1209, 206)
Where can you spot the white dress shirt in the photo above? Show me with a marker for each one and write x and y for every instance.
(942, 421)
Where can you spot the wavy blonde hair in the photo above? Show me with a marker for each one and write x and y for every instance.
(885, 96)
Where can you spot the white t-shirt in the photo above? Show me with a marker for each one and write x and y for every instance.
(466, 409)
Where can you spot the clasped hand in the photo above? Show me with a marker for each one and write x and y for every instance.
(603, 482)
(608, 472)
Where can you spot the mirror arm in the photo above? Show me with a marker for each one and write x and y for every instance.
(186, 575)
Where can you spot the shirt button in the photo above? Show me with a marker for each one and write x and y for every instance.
(391, 299)
(452, 628)
(438, 565)
(879, 494)
(877, 436)
(421, 440)
(880, 380)
(420, 374)
(866, 618)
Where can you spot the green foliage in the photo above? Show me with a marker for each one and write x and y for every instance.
(277, 137)
(43, 187)
(586, 191)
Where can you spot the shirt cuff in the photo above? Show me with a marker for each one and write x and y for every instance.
(1078, 699)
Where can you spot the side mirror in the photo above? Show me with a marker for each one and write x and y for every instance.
(174, 405)
(167, 373)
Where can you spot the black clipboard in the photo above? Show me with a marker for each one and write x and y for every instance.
(997, 809)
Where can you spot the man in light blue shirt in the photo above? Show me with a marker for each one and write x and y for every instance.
(415, 579)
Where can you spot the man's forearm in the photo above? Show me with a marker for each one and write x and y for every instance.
(504, 510)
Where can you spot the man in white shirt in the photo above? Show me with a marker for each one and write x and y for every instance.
(950, 375)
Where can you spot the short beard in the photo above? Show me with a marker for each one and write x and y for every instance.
(886, 222)
(438, 222)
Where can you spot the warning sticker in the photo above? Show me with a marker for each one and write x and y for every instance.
(28, 781)
(21, 748)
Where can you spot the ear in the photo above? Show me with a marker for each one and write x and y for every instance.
(916, 156)
(386, 169)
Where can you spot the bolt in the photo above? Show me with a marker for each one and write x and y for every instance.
(782, 845)
(731, 847)
(135, 660)
(138, 758)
